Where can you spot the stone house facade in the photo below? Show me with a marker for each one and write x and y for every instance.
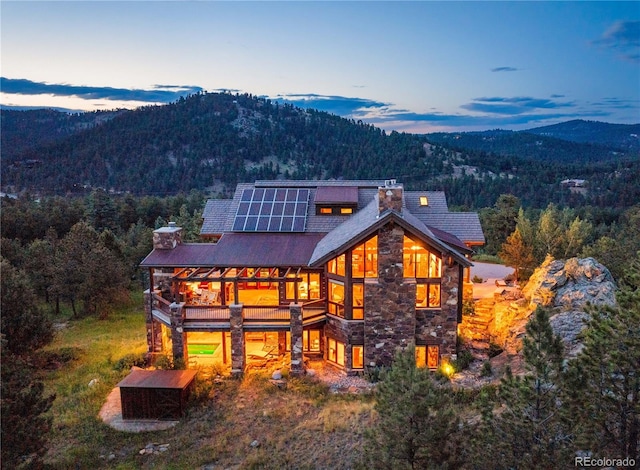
(345, 271)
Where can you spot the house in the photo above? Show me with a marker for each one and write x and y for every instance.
(346, 271)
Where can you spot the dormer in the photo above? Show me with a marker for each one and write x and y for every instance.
(336, 200)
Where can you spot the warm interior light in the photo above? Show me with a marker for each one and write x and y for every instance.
(424, 201)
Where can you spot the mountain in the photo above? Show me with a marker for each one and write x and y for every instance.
(573, 141)
(211, 141)
(625, 137)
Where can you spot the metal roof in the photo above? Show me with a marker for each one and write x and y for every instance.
(336, 195)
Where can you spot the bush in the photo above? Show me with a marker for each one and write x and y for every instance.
(463, 360)
(486, 369)
(468, 307)
(477, 279)
(130, 360)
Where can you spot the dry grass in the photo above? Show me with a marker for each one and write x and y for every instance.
(302, 426)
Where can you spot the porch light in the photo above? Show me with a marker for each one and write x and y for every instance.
(447, 369)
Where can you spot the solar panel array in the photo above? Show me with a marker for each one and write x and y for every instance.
(272, 210)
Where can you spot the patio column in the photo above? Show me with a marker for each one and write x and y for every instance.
(177, 331)
(297, 363)
(238, 352)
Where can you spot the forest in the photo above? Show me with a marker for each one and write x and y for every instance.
(212, 141)
(91, 188)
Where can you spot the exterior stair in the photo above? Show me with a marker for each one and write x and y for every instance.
(475, 329)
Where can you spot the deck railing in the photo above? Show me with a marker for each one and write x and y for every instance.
(250, 313)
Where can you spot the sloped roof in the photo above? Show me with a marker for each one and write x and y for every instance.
(450, 227)
(215, 215)
(366, 221)
(240, 249)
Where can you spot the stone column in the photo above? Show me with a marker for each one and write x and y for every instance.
(390, 318)
(238, 352)
(450, 304)
(177, 331)
(297, 360)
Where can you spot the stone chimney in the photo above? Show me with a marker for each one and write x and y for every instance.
(390, 197)
(167, 238)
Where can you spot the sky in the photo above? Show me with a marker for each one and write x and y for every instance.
(417, 66)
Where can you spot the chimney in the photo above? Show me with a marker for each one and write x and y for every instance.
(167, 238)
(390, 197)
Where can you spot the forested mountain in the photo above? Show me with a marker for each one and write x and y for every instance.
(211, 141)
(621, 136)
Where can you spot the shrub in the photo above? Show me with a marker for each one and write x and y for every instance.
(463, 360)
(128, 361)
(486, 369)
(477, 279)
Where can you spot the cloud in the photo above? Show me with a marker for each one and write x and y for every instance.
(512, 106)
(623, 37)
(340, 105)
(504, 69)
(160, 93)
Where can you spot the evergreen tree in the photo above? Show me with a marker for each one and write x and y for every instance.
(518, 255)
(416, 424)
(603, 385)
(526, 429)
(24, 326)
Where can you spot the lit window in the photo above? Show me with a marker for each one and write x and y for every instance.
(326, 210)
(421, 356)
(335, 351)
(424, 201)
(433, 357)
(357, 357)
(358, 301)
(346, 210)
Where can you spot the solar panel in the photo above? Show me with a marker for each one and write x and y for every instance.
(272, 210)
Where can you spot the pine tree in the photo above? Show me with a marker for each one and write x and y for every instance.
(518, 254)
(603, 385)
(526, 429)
(416, 423)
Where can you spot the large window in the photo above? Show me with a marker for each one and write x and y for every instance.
(308, 287)
(336, 298)
(335, 351)
(310, 340)
(364, 259)
(337, 265)
(357, 297)
(357, 357)
(428, 356)
(426, 267)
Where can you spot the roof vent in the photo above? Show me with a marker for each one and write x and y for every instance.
(389, 183)
(172, 224)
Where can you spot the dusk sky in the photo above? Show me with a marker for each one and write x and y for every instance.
(410, 66)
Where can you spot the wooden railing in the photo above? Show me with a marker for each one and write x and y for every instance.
(207, 312)
(266, 314)
(251, 313)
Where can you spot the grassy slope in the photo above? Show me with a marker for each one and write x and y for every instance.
(300, 427)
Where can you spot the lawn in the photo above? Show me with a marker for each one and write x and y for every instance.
(240, 424)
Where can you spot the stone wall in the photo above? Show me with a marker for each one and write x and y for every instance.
(349, 332)
(389, 321)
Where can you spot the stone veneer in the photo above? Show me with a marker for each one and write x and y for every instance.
(297, 360)
(440, 327)
(177, 331)
(167, 238)
(238, 352)
(390, 319)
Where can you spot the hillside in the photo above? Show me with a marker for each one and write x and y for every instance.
(211, 141)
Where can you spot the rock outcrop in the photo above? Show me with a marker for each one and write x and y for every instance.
(565, 287)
